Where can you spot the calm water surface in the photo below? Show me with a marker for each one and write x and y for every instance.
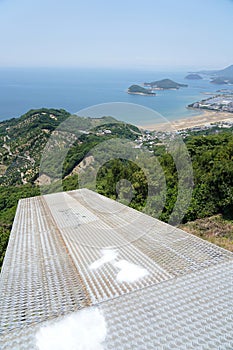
(75, 89)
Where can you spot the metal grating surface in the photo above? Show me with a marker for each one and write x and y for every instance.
(48, 273)
(188, 313)
(172, 249)
(185, 313)
(39, 280)
(86, 235)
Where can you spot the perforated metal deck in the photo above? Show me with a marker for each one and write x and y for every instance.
(80, 250)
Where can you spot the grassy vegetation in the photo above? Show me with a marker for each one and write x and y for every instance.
(214, 229)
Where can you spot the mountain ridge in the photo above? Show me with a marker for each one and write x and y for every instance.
(225, 72)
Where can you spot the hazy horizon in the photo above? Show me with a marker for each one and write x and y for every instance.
(166, 69)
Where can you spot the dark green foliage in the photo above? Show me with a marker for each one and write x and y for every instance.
(137, 89)
(123, 180)
(70, 183)
(86, 143)
(4, 236)
(78, 151)
(9, 197)
(213, 175)
(165, 84)
(210, 131)
(122, 130)
(40, 118)
(170, 172)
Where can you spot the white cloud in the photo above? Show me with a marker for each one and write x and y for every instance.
(129, 272)
(82, 330)
(108, 255)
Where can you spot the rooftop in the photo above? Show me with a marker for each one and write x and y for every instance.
(82, 271)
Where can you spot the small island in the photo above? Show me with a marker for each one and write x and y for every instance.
(193, 76)
(165, 84)
(139, 90)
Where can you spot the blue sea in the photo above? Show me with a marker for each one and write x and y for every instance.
(76, 89)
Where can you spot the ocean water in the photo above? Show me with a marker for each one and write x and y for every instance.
(76, 89)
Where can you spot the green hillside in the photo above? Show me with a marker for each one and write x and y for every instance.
(165, 84)
(137, 89)
(22, 141)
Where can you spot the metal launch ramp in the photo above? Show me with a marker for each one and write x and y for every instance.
(82, 271)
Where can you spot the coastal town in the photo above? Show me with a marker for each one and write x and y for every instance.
(216, 115)
(220, 103)
(151, 139)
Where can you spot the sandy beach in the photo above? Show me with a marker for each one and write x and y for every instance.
(205, 117)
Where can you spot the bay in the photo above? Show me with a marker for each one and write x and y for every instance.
(74, 89)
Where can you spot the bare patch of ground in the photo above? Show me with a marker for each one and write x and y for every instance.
(214, 229)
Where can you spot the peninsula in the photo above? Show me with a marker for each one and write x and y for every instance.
(220, 77)
(139, 90)
(226, 72)
(165, 84)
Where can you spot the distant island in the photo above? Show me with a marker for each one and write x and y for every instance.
(221, 76)
(226, 72)
(193, 76)
(139, 90)
(165, 84)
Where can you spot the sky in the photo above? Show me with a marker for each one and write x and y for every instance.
(123, 33)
